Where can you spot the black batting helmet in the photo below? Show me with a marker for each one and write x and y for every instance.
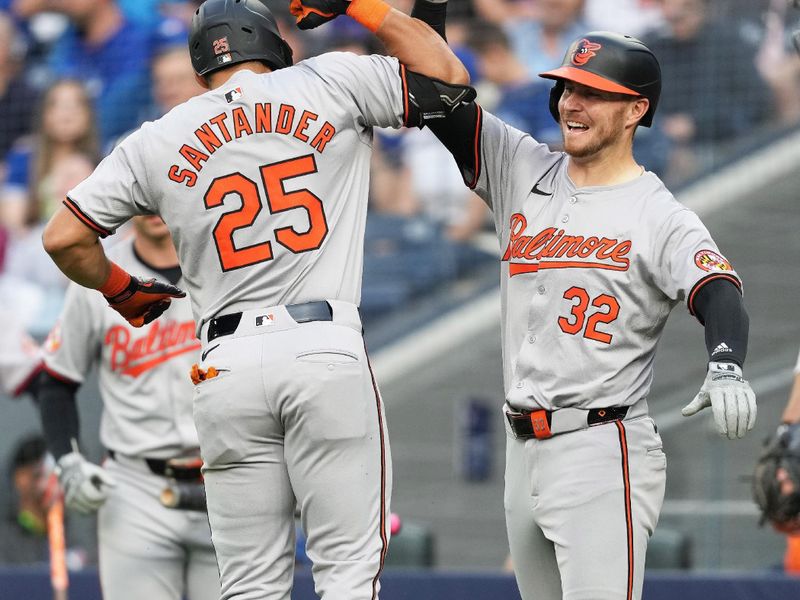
(226, 32)
(611, 62)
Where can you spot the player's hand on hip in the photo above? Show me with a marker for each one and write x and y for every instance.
(313, 13)
(730, 397)
(144, 301)
(85, 485)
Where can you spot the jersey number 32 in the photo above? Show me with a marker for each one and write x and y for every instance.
(278, 200)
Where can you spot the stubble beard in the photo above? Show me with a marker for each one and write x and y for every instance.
(594, 147)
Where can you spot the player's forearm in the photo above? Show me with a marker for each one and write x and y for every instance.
(420, 48)
(791, 414)
(76, 250)
(718, 305)
(58, 412)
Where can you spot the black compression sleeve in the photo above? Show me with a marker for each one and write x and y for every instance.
(432, 13)
(59, 413)
(718, 306)
(460, 132)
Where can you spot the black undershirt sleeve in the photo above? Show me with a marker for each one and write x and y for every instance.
(59, 412)
(432, 13)
(719, 308)
(458, 133)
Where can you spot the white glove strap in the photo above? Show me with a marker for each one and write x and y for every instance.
(725, 370)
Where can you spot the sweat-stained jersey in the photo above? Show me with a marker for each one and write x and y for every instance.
(262, 173)
(143, 373)
(589, 275)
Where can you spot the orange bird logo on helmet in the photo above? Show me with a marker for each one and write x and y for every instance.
(585, 51)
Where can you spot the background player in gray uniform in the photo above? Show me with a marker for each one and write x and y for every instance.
(595, 254)
(263, 184)
(146, 550)
(19, 356)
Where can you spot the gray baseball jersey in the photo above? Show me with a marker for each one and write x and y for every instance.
(19, 356)
(269, 170)
(263, 183)
(589, 276)
(145, 548)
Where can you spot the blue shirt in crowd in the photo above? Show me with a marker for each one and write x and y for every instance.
(116, 73)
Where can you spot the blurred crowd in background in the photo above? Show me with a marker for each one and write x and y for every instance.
(77, 75)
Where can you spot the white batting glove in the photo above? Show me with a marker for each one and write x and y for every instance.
(730, 397)
(85, 484)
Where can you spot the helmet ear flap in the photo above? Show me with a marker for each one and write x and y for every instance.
(288, 54)
(555, 96)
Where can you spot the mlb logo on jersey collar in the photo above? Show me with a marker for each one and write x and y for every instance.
(233, 94)
(262, 320)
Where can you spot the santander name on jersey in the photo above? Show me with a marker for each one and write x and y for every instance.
(212, 134)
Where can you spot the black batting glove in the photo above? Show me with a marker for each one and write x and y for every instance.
(143, 301)
(313, 13)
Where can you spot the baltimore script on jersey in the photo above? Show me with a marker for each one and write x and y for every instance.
(285, 122)
(609, 253)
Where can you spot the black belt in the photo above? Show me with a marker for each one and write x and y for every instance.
(318, 310)
(537, 423)
(175, 468)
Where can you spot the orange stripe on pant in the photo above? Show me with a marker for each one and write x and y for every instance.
(384, 538)
(626, 481)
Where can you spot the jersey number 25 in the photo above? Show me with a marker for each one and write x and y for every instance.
(278, 200)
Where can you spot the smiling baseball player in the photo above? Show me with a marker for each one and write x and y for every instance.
(595, 254)
(146, 550)
(263, 183)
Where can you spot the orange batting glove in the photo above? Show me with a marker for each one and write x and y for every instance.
(139, 301)
(313, 13)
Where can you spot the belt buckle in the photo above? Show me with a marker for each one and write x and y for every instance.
(541, 428)
(510, 418)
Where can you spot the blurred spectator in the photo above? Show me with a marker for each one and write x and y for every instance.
(712, 91)
(108, 53)
(20, 360)
(632, 17)
(171, 70)
(24, 530)
(148, 13)
(540, 32)
(522, 100)
(60, 154)
(38, 286)
(17, 98)
(65, 127)
(779, 64)
(173, 79)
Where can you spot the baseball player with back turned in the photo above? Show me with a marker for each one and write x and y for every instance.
(146, 550)
(262, 182)
(595, 254)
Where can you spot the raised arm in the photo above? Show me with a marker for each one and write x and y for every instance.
(420, 48)
(411, 41)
